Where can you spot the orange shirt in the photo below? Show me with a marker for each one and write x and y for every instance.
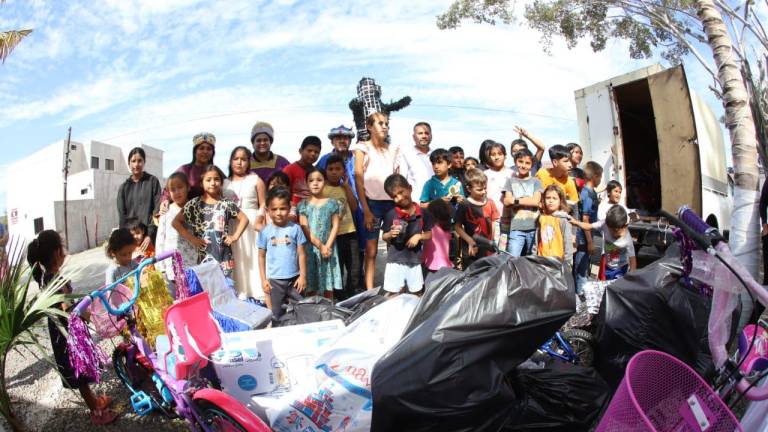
(550, 237)
(566, 183)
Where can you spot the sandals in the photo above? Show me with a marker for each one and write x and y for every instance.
(103, 416)
(102, 402)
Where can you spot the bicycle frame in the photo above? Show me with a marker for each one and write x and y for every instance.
(179, 395)
(723, 296)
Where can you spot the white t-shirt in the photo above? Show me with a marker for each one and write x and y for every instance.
(603, 208)
(416, 168)
(616, 251)
(496, 182)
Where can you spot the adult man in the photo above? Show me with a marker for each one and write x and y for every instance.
(341, 138)
(414, 161)
(263, 161)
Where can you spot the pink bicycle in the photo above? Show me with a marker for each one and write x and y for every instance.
(661, 393)
(171, 373)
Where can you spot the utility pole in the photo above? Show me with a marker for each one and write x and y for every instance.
(66, 172)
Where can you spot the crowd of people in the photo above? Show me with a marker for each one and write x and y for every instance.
(285, 230)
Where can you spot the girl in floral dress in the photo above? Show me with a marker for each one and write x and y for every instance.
(208, 216)
(319, 218)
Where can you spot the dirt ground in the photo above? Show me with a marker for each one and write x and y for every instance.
(36, 391)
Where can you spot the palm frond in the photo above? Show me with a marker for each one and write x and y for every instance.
(9, 40)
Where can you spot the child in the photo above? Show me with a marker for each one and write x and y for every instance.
(613, 189)
(522, 194)
(437, 249)
(593, 173)
(618, 249)
(120, 248)
(470, 163)
(297, 171)
(558, 174)
(475, 218)
(441, 185)
(319, 218)
(457, 163)
(282, 260)
(45, 256)
(405, 228)
(144, 247)
(167, 237)
(209, 217)
(520, 143)
(553, 233)
(279, 178)
(497, 175)
(347, 247)
(250, 192)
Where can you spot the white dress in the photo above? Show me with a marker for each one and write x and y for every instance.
(245, 251)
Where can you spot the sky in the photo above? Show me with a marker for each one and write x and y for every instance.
(157, 72)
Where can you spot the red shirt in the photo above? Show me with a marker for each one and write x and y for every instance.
(297, 174)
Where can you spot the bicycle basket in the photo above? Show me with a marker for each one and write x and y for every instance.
(661, 393)
(108, 325)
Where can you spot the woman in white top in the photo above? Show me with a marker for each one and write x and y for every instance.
(248, 192)
(375, 160)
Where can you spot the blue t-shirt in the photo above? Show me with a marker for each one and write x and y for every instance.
(282, 252)
(587, 207)
(434, 189)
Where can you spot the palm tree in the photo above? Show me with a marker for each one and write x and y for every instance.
(9, 39)
(21, 317)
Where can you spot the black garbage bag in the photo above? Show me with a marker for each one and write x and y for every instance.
(652, 308)
(309, 310)
(558, 397)
(469, 331)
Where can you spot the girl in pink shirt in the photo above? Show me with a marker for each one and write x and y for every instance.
(437, 250)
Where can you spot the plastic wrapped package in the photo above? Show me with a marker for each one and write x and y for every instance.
(557, 397)
(652, 309)
(469, 331)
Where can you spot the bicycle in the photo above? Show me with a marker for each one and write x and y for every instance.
(171, 373)
(660, 392)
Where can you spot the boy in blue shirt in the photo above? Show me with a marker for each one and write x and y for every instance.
(441, 185)
(282, 260)
(588, 204)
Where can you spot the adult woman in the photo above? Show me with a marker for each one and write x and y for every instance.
(203, 151)
(249, 191)
(264, 162)
(375, 160)
(139, 196)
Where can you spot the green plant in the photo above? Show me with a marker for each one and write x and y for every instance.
(22, 312)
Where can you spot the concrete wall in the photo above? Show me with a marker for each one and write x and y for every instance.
(37, 191)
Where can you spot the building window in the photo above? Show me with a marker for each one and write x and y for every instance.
(38, 225)
(83, 191)
(109, 164)
(94, 162)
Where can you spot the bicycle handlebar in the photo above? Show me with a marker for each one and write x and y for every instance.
(694, 234)
(101, 293)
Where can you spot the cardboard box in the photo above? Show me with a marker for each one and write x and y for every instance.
(271, 360)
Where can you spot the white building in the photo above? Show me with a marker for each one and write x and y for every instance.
(35, 198)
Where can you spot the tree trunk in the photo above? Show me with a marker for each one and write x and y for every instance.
(745, 226)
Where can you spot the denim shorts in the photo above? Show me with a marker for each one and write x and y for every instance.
(379, 208)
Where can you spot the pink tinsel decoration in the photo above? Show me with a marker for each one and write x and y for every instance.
(85, 357)
(182, 287)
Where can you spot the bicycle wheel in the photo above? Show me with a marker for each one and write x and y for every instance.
(581, 343)
(217, 419)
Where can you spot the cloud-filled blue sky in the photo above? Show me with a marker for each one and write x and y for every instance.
(158, 72)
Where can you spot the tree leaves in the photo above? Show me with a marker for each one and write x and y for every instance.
(9, 40)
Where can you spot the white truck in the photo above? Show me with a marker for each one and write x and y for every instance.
(654, 135)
